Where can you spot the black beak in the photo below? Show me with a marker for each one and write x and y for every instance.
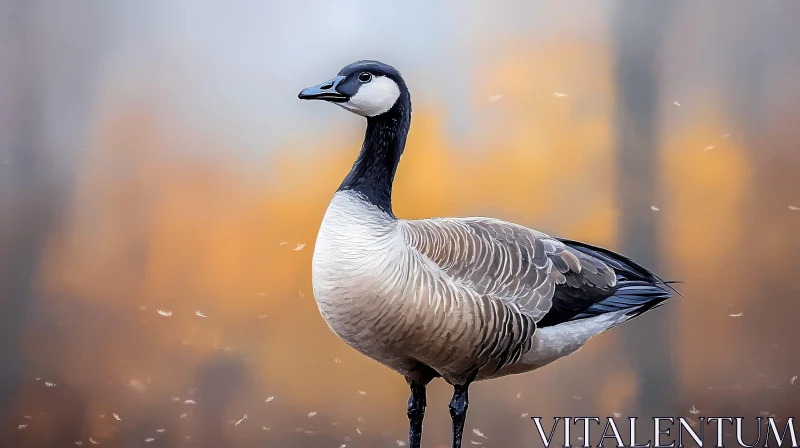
(325, 91)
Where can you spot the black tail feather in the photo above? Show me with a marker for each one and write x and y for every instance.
(638, 289)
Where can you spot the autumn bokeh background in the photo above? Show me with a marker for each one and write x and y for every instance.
(155, 157)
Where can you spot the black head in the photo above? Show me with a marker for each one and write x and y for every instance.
(366, 88)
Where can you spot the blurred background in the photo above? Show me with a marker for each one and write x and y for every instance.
(161, 188)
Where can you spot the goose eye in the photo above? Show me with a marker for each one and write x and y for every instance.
(365, 77)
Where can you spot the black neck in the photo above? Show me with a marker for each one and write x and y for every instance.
(373, 171)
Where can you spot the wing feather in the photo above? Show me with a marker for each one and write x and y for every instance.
(522, 268)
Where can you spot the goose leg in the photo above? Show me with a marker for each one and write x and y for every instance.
(416, 406)
(416, 413)
(458, 412)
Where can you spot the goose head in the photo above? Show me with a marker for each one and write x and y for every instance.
(366, 88)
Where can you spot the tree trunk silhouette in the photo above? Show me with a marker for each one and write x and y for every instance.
(638, 33)
(218, 381)
(39, 73)
(24, 199)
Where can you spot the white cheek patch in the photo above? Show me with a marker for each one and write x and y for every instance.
(374, 97)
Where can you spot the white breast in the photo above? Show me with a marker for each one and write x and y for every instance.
(356, 260)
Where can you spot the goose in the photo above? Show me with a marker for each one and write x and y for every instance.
(462, 299)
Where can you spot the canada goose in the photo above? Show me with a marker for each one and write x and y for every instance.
(465, 299)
